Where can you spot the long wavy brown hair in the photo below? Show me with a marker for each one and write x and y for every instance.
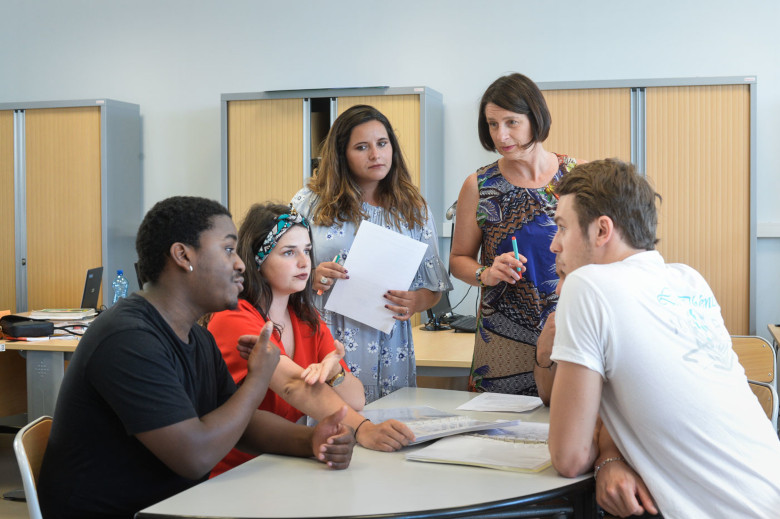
(339, 197)
(259, 220)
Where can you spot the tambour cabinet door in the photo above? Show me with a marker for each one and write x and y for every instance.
(265, 152)
(63, 203)
(590, 124)
(7, 239)
(698, 157)
(403, 112)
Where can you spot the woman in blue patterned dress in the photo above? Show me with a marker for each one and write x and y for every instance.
(513, 197)
(363, 176)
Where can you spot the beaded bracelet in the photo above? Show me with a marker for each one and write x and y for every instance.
(359, 426)
(608, 460)
(478, 275)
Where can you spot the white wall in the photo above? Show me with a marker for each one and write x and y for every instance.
(175, 57)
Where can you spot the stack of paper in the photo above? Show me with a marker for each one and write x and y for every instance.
(63, 314)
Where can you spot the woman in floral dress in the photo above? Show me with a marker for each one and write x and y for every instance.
(512, 198)
(362, 176)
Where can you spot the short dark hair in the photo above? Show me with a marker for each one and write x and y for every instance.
(613, 188)
(259, 221)
(177, 219)
(518, 94)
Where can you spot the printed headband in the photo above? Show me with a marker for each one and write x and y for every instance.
(283, 222)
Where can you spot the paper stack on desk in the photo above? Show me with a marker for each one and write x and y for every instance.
(520, 448)
(63, 314)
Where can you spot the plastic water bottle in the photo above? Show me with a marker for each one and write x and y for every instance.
(120, 286)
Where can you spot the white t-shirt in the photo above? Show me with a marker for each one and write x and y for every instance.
(675, 397)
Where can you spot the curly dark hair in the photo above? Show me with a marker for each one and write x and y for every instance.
(259, 220)
(339, 195)
(518, 94)
(179, 219)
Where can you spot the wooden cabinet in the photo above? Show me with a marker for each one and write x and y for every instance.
(694, 139)
(269, 140)
(72, 198)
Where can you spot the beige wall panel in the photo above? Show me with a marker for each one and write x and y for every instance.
(698, 156)
(63, 203)
(265, 152)
(590, 124)
(7, 251)
(403, 112)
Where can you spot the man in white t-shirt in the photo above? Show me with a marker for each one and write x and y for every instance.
(642, 344)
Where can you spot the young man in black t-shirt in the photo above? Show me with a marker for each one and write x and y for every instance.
(147, 406)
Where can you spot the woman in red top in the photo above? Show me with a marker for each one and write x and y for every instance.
(311, 374)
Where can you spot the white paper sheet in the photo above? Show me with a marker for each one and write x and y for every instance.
(379, 260)
(502, 403)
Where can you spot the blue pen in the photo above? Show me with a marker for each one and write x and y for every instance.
(517, 255)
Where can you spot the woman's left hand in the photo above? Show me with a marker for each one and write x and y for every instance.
(327, 369)
(405, 304)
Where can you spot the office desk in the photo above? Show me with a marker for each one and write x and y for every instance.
(45, 369)
(438, 354)
(443, 353)
(378, 483)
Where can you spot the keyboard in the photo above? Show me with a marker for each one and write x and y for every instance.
(464, 323)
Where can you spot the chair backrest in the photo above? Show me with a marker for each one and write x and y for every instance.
(757, 356)
(29, 446)
(759, 359)
(767, 397)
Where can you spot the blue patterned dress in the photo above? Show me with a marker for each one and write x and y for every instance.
(383, 362)
(512, 316)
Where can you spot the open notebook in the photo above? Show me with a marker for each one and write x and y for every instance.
(428, 423)
(519, 448)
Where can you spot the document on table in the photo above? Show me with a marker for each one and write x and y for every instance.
(521, 447)
(502, 403)
(379, 260)
(429, 423)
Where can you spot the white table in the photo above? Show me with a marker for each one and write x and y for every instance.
(378, 483)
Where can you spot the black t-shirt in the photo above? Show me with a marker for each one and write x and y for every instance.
(129, 374)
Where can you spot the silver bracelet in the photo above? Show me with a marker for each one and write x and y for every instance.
(608, 460)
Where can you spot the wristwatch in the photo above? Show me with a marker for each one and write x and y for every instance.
(337, 379)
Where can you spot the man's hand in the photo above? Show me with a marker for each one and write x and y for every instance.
(327, 369)
(620, 491)
(263, 356)
(387, 436)
(332, 441)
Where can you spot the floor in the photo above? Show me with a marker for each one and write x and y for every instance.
(10, 480)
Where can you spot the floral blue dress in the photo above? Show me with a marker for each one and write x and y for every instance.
(382, 362)
(512, 316)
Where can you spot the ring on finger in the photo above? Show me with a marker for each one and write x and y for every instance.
(324, 280)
